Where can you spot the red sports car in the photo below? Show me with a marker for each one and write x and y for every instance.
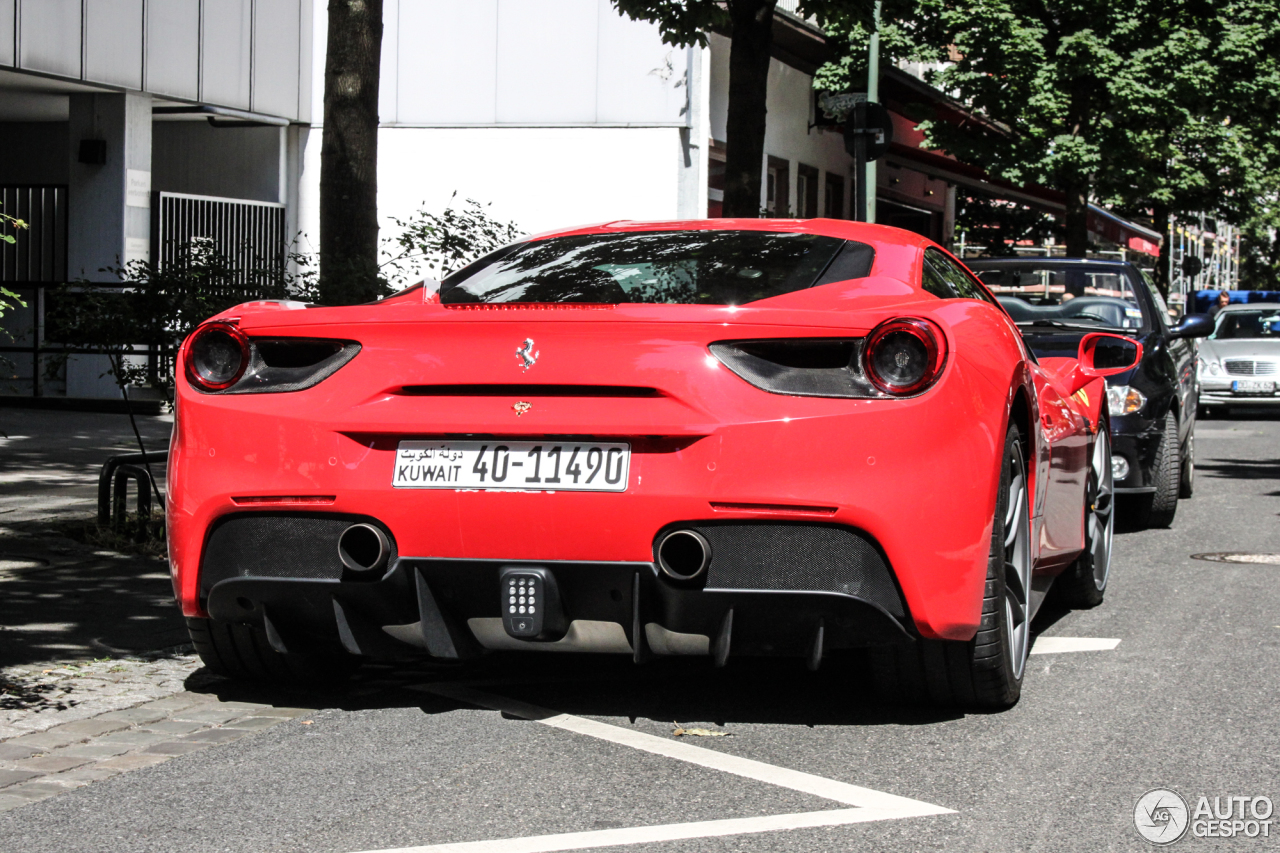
(718, 438)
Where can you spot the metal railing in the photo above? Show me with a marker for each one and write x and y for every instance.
(250, 235)
(40, 253)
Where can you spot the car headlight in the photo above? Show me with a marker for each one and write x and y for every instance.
(1123, 400)
(1210, 367)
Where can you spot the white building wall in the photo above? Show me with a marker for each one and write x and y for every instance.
(539, 178)
(556, 112)
(245, 54)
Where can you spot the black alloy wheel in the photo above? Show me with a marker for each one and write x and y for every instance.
(1084, 583)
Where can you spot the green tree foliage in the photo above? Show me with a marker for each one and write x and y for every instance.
(156, 306)
(441, 243)
(749, 23)
(8, 299)
(999, 225)
(1156, 107)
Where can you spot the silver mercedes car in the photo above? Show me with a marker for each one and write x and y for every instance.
(1239, 364)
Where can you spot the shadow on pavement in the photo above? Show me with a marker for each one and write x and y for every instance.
(61, 601)
(1241, 469)
(776, 691)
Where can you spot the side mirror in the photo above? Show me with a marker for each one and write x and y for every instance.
(1101, 354)
(1193, 326)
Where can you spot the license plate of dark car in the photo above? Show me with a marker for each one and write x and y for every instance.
(1253, 386)
(544, 466)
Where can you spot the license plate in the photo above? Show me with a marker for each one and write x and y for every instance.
(542, 466)
(1253, 386)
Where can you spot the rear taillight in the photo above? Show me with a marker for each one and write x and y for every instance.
(217, 356)
(222, 359)
(904, 357)
(899, 358)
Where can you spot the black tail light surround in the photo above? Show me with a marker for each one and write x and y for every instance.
(900, 358)
(221, 359)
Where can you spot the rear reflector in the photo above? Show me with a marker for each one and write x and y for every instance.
(283, 499)
(773, 508)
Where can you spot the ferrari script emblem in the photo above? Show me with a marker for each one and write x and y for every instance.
(522, 407)
(526, 354)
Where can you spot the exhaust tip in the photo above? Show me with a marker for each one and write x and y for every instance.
(363, 548)
(684, 554)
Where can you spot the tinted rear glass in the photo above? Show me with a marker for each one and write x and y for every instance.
(664, 267)
(1070, 294)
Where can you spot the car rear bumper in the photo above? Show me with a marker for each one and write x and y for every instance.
(451, 609)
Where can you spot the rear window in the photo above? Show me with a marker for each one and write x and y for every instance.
(659, 267)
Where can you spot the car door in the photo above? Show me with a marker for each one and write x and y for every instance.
(1179, 361)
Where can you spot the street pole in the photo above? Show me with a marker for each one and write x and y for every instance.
(868, 171)
(861, 168)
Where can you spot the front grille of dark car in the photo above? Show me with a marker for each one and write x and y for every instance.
(799, 557)
(276, 545)
(1239, 367)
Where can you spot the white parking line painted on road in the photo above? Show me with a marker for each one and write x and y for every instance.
(869, 805)
(889, 805)
(650, 834)
(1058, 645)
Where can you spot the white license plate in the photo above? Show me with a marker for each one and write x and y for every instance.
(543, 466)
(1253, 386)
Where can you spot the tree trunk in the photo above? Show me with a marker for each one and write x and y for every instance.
(1160, 218)
(1077, 218)
(349, 154)
(752, 34)
(1076, 180)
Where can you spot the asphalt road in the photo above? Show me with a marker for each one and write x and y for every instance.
(1187, 700)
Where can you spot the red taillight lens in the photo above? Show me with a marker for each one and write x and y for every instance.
(904, 356)
(217, 356)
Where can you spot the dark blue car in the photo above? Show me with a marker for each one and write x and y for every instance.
(1151, 408)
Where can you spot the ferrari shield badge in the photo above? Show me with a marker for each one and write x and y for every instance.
(526, 354)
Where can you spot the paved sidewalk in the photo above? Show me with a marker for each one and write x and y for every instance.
(97, 675)
(71, 755)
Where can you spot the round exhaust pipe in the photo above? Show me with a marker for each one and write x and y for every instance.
(364, 548)
(684, 554)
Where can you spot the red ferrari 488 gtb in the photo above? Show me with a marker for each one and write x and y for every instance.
(718, 438)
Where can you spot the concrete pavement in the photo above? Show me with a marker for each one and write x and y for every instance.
(405, 757)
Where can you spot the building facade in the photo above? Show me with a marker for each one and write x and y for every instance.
(131, 126)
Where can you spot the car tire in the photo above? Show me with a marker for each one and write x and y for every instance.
(1159, 508)
(987, 671)
(243, 653)
(1187, 478)
(1084, 583)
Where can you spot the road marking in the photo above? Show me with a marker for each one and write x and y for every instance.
(650, 834)
(1057, 645)
(869, 805)
(889, 805)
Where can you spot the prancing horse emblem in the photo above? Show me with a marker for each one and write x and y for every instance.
(527, 355)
